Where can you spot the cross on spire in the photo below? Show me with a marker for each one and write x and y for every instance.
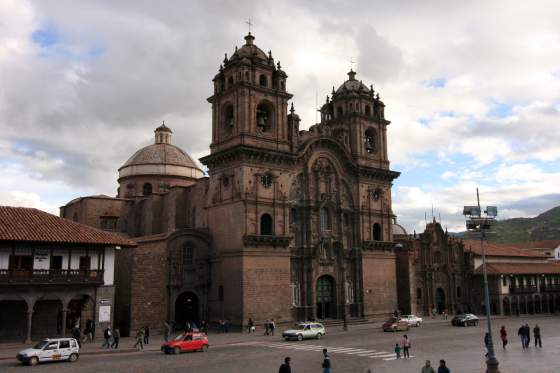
(248, 22)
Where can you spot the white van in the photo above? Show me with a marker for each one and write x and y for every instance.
(50, 350)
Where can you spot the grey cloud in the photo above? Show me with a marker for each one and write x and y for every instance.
(378, 58)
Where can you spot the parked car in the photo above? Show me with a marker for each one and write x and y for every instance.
(305, 330)
(395, 324)
(413, 320)
(186, 342)
(465, 319)
(55, 349)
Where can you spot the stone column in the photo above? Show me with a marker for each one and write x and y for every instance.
(29, 323)
(63, 327)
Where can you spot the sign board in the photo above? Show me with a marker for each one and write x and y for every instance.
(105, 301)
(104, 313)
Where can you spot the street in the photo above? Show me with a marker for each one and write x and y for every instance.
(360, 348)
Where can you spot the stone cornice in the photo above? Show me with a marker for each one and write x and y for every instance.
(378, 245)
(260, 240)
(248, 153)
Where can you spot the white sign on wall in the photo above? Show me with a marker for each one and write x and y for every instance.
(104, 313)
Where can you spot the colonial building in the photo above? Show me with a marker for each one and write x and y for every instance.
(289, 224)
(54, 274)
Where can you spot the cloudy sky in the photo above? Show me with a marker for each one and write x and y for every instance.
(472, 89)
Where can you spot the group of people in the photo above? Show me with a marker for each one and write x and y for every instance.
(269, 327)
(427, 368)
(524, 333)
(111, 338)
(142, 337)
(403, 347)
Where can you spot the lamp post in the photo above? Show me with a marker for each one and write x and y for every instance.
(478, 223)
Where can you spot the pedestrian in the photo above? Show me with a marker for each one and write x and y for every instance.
(166, 331)
(188, 327)
(272, 327)
(445, 314)
(503, 336)
(88, 331)
(442, 367)
(106, 337)
(250, 326)
(326, 362)
(139, 339)
(527, 335)
(398, 350)
(406, 346)
(77, 335)
(267, 327)
(146, 335)
(537, 335)
(427, 368)
(487, 343)
(396, 313)
(227, 323)
(116, 338)
(204, 327)
(285, 367)
(434, 313)
(521, 334)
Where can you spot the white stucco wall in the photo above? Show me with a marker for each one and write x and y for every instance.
(109, 273)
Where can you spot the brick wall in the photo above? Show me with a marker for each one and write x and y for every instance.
(379, 281)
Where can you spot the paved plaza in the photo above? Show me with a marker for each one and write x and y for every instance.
(359, 349)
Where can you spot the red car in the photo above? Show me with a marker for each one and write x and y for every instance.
(394, 324)
(186, 342)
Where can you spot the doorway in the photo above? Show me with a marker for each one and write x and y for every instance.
(186, 309)
(326, 304)
(440, 300)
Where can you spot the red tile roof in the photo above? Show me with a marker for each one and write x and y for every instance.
(32, 225)
(546, 244)
(494, 249)
(520, 268)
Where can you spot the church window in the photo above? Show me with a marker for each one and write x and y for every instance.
(263, 81)
(345, 219)
(324, 219)
(370, 140)
(147, 189)
(230, 82)
(351, 107)
(376, 232)
(109, 223)
(504, 281)
(350, 298)
(228, 116)
(293, 216)
(418, 293)
(458, 292)
(296, 295)
(266, 180)
(264, 116)
(345, 139)
(368, 110)
(339, 112)
(282, 85)
(247, 76)
(266, 225)
(226, 181)
(188, 255)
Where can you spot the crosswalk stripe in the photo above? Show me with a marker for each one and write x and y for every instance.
(382, 356)
(371, 353)
(395, 358)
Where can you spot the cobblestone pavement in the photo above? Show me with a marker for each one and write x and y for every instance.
(354, 351)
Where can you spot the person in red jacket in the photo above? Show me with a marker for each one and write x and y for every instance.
(503, 336)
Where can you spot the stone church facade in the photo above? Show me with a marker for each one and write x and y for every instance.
(287, 224)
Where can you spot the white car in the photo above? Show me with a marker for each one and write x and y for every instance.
(305, 330)
(50, 350)
(412, 320)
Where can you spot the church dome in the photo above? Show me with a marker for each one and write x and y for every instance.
(161, 158)
(249, 51)
(352, 84)
(398, 230)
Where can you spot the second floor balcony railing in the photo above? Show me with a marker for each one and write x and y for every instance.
(50, 276)
(550, 288)
(522, 289)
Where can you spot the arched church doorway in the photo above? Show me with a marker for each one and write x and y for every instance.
(440, 300)
(186, 309)
(326, 302)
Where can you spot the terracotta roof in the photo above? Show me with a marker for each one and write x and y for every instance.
(520, 268)
(32, 225)
(494, 249)
(546, 244)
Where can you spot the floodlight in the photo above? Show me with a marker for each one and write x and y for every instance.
(471, 211)
(471, 225)
(492, 211)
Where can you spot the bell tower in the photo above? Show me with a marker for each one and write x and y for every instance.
(250, 102)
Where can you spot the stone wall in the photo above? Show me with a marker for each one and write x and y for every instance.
(379, 283)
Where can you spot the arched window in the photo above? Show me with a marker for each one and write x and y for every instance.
(246, 76)
(228, 116)
(339, 112)
(266, 225)
(147, 189)
(264, 116)
(282, 85)
(263, 81)
(368, 110)
(230, 82)
(376, 232)
(370, 140)
(188, 255)
(293, 216)
(324, 219)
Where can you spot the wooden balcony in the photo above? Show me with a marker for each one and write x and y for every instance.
(522, 289)
(10, 277)
(550, 288)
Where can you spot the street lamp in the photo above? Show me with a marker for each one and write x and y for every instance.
(480, 224)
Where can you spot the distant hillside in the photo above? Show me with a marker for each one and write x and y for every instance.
(546, 226)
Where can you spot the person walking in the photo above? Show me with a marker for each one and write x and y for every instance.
(285, 367)
(521, 334)
(116, 338)
(503, 336)
(537, 335)
(146, 335)
(406, 346)
(442, 367)
(326, 362)
(267, 327)
(139, 339)
(204, 327)
(434, 312)
(398, 351)
(88, 331)
(527, 335)
(250, 326)
(487, 343)
(272, 327)
(77, 335)
(427, 368)
(106, 338)
(166, 331)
